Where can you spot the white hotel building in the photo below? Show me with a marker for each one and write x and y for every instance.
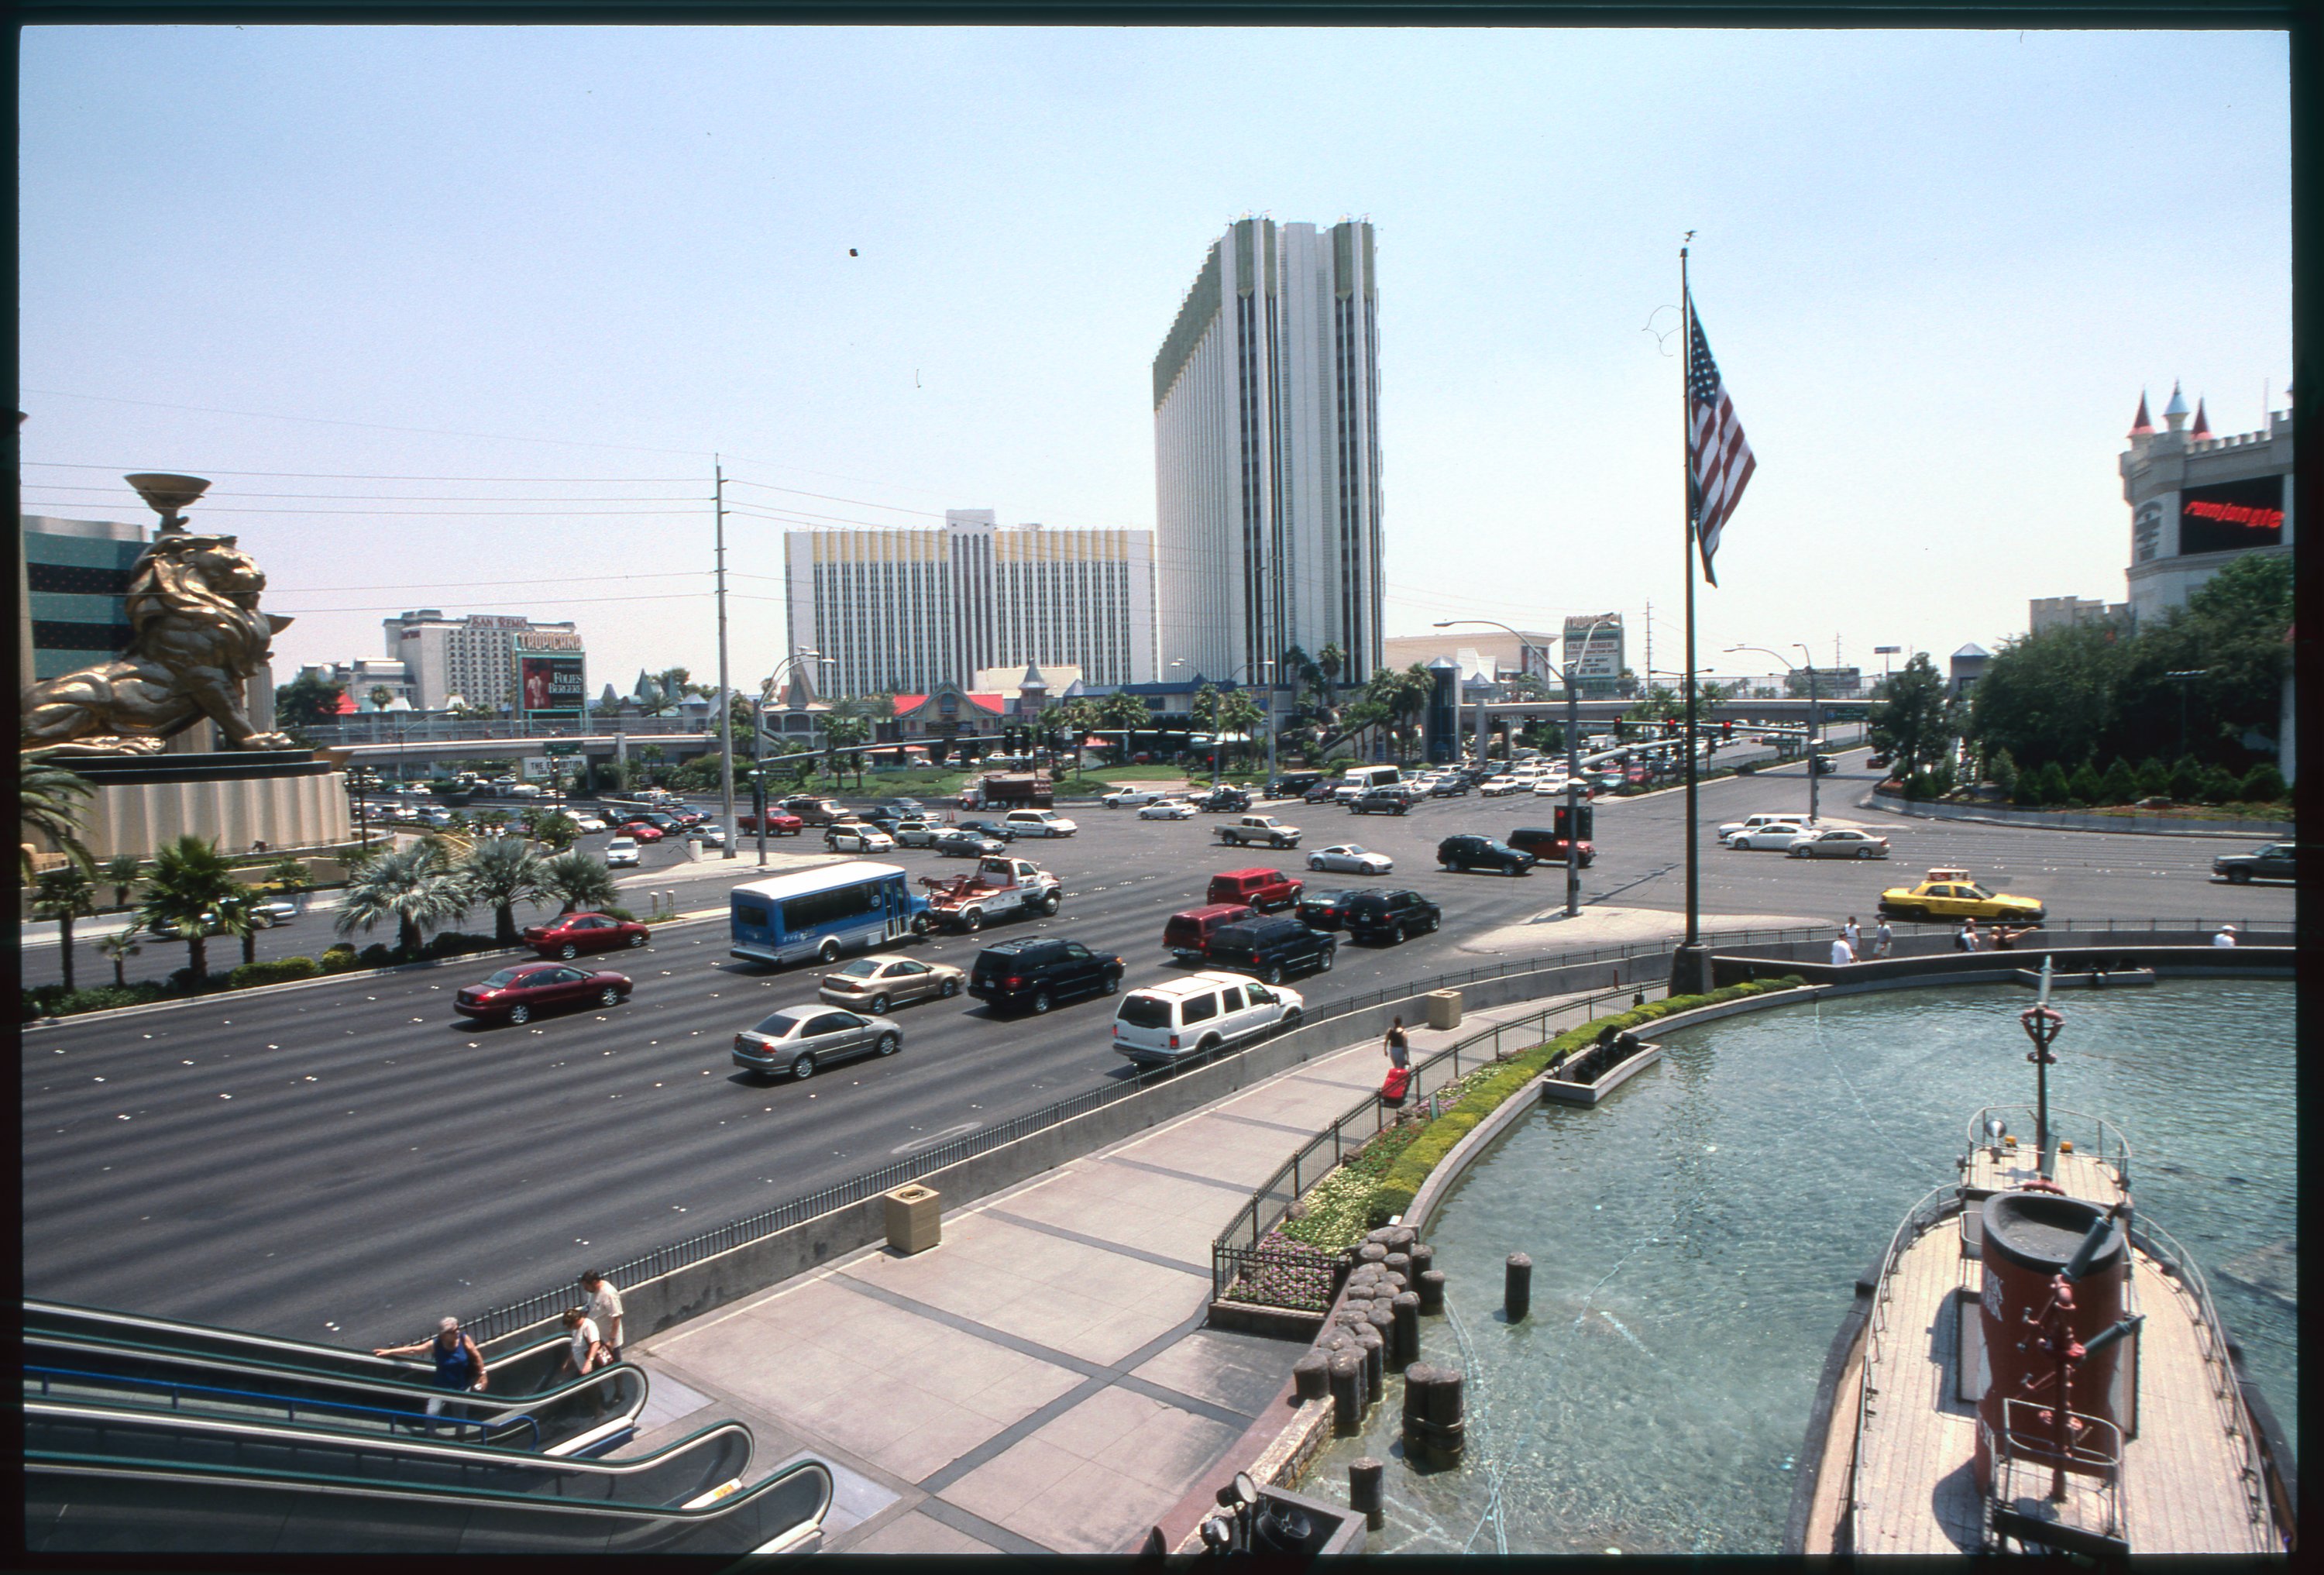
(1266, 454)
(901, 611)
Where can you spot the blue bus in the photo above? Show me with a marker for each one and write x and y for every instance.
(821, 913)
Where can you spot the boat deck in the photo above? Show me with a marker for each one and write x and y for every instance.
(2081, 1172)
(2183, 1483)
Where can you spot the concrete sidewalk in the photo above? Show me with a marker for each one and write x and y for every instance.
(1040, 1381)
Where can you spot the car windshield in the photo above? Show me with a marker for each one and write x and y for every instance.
(777, 1024)
(504, 978)
(862, 968)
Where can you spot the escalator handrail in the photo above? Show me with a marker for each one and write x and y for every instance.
(537, 1399)
(290, 1404)
(161, 1335)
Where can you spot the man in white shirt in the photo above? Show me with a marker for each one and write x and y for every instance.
(1854, 936)
(588, 1351)
(1841, 952)
(1881, 938)
(2225, 937)
(605, 1311)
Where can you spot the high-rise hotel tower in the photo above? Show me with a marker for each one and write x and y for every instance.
(1266, 454)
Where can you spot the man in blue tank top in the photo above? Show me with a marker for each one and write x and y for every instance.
(459, 1365)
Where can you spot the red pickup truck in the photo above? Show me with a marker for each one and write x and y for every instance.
(779, 825)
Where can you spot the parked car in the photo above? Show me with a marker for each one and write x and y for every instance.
(990, 828)
(622, 854)
(1475, 852)
(1261, 888)
(1292, 784)
(883, 980)
(518, 994)
(1272, 947)
(908, 808)
(1878, 760)
(1037, 823)
(1187, 935)
(1323, 792)
(1391, 916)
(1133, 797)
(709, 833)
(1778, 836)
(1202, 1013)
(1224, 800)
(1449, 788)
(1036, 974)
(569, 934)
(640, 831)
(1351, 859)
(916, 833)
(803, 1039)
(1326, 911)
(1379, 801)
(2270, 861)
(1168, 809)
(1838, 843)
(960, 843)
(813, 809)
(587, 822)
(1498, 786)
(857, 837)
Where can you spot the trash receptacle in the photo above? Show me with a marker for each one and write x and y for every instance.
(1443, 1009)
(914, 1224)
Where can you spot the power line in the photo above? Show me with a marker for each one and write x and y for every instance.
(351, 476)
(368, 426)
(458, 584)
(380, 497)
(528, 602)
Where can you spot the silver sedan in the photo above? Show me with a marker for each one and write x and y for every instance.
(1838, 843)
(1168, 809)
(801, 1040)
(1778, 837)
(1349, 858)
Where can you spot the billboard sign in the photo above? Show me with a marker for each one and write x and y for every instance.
(550, 683)
(1595, 658)
(2230, 516)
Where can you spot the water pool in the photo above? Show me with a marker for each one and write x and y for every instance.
(1695, 1240)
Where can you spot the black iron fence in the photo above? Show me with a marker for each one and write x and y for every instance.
(1275, 1276)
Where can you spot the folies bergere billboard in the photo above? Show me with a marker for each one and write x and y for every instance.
(552, 683)
(2230, 516)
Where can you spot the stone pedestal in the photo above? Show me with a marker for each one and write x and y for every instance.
(285, 798)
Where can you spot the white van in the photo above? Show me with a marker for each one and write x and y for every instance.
(1358, 780)
(1199, 1013)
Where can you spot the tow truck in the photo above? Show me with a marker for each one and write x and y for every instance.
(1000, 888)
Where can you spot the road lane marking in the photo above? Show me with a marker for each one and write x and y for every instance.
(933, 1139)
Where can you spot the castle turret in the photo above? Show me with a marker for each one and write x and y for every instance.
(2174, 414)
(2202, 424)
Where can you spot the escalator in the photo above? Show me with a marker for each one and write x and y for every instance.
(524, 1371)
(584, 1416)
(99, 1478)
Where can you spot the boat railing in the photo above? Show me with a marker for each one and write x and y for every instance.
(2210, 1335)
(2024, 1455)
(1918, 1221)
(2108, 1145)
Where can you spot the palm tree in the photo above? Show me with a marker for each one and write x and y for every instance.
(46, 803)
(118, 948)
(577, 880)
(182, 893)
(1239, 713)
(553, 829)
(413, 886)
(1331, 661)
(237, 916)
(379, 695)
(64, 894)
(502, 872)
(1074, 718)
(120, 872)
(1127, 712)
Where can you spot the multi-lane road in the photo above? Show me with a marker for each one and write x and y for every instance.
(347, 1159)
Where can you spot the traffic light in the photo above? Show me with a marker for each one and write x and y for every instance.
(1727, 728)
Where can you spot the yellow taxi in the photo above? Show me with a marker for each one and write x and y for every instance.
(1951, 894)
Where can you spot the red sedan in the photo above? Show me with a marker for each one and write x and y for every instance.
(641, 830)
(515, 994)
(569, 934)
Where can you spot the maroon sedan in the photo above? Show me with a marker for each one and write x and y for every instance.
(569, 934)
(515, 994)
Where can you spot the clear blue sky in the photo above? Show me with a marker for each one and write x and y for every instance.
(1937, 270)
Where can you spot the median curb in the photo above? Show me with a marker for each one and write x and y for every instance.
(2238, 831)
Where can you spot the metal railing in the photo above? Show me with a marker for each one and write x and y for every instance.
(2227, 1392)
(1300, 1281)
(1233, 1250)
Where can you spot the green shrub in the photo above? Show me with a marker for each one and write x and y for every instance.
(623, 914)
(2264, 784)
(376, 955)
(2215, 785)
(2186, 782)
(2050, 786)
(277, 972)
(2154, 779)
(2001, 772)
(2086, 785)
(338, 958)
(2120, 784)
(52, 1001)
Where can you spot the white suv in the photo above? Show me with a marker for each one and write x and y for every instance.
(1199, 1013)
(1037, 823)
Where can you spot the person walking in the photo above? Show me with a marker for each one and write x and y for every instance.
(1841, 952)
(2225, 937)
(1855, 937)
(1881, 938)
(605, 1311)
(1395, 1046)
(588, 1352)
(459, 1365)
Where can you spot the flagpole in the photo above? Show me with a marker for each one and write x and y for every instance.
(1686, 361)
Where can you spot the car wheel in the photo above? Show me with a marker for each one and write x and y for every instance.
(1435, 922)
(1272, 974)
(520, 1015)
(879, 1004)
(802, 1066)
(1797, 853)
(1290, 1020)
(2238, 876)
(921, 924)
(887, 1045)
(1054, 901)
(1113, 982)
(1324, 965)
(1313, 862)
(972, 919)
(828, 952)
(1512, 868)
(950, 988)
(1868, 853)
(1041, 1003)
(609, 996)
(1396, 935)
(569, 951)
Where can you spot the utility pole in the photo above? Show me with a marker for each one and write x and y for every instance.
(726, 694)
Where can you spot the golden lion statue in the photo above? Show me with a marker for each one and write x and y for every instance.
(198, 636)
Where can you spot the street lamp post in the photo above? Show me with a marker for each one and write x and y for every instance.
(1816, 711)
(1566, 676)
(2183, 679)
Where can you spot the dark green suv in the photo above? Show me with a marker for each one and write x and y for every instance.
(1390, 916)
(1036, 974)
(1473, 852)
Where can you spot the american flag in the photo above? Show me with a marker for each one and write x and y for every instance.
(1719, 462)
